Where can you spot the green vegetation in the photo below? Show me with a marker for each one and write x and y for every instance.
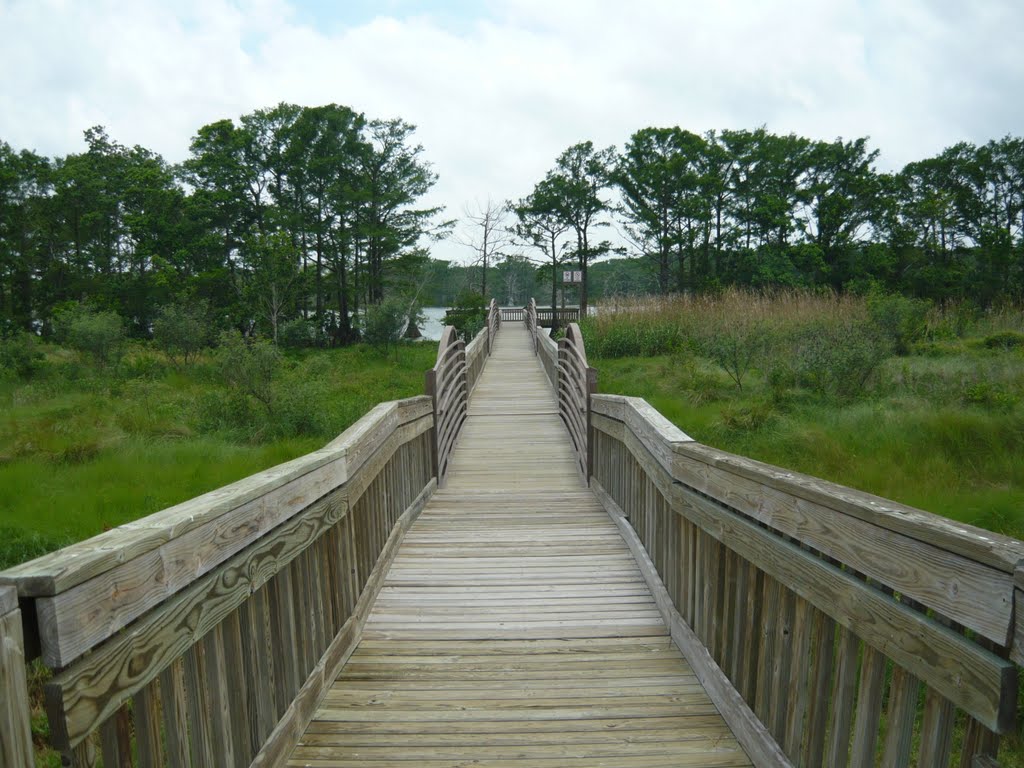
(815, 383)
(85, 447)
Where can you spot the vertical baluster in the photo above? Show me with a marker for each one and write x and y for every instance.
(870, 694)
(936, 730)
(799, 669)
(824, 634)
(218, 688)
(116, 740)
(902, 710)
(176, 730)
(196, 702)
(146, 710)
(844, 692)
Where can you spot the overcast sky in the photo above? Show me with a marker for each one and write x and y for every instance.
(499, 88)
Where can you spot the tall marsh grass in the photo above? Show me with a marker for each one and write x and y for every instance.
(886, 394)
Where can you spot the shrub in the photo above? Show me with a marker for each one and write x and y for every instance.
(248, 366)
(747, 418)
(836, 358)
(298, 334)
(1004, 340)
(899, 319)
(100, 334)
(383, 324)
(468, 314)
(988, 395)
(181, 331)
(20, 355)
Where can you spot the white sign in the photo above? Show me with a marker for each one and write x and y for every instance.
(572, 276)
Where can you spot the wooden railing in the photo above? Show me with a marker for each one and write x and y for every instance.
(452, 380)
(493, 324)
(576, 382)
(530, 318)
(513, 314)
(206, 634)
(15, 729)
(447, 385)
(546, 316)
(831, 627)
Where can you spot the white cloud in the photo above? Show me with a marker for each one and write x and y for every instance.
(498, 96)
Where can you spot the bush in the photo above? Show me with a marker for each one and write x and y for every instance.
(298, 334)
(1004, 340)
(248, 366)
(180, 331)
(734, 341)
(899, 319)
(100, 334)
(383, 324)
(20, 355)
(468, 314)
(836, 358)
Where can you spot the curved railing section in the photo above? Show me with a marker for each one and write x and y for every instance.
(817, 616)
(447, 384)
(531, 321)
(452, 380)
(576, 382)
(493, 324)
(205, 634)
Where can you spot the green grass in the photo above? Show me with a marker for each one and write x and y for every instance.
(963, 461)
(82, 451)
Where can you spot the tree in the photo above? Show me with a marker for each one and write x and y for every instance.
(573, 190)
(393, 177)
(272, 277)
(542, 229)
(486, 233)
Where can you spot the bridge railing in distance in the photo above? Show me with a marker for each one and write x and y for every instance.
(452, 380)
(817, 616)
(513, 314)
(531, 321)
(493, 324)
(207, 633)
(447, 385)
(576, 382)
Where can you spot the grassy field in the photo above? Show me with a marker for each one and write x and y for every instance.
(940, 426)
(84, 449)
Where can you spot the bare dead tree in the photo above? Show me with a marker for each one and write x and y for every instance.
(484, 230)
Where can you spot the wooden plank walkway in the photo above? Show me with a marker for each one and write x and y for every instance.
(514, 629)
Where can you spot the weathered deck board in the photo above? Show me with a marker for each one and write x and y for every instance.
(514, 627)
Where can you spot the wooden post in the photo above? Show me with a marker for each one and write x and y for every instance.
(15, 729)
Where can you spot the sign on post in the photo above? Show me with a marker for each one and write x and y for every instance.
(572, 276)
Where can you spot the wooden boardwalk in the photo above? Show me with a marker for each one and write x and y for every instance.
(514, 628)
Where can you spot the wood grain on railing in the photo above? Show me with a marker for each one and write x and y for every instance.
(15, 726)
(209, 630)
(828, 611)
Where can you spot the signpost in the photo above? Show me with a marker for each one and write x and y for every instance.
(574, 276)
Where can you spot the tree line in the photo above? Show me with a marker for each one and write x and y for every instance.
(754, 208)
(290, 214)
(298, 218)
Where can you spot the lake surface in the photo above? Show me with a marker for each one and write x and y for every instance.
(431, 329)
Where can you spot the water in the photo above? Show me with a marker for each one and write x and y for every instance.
(434, 324)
